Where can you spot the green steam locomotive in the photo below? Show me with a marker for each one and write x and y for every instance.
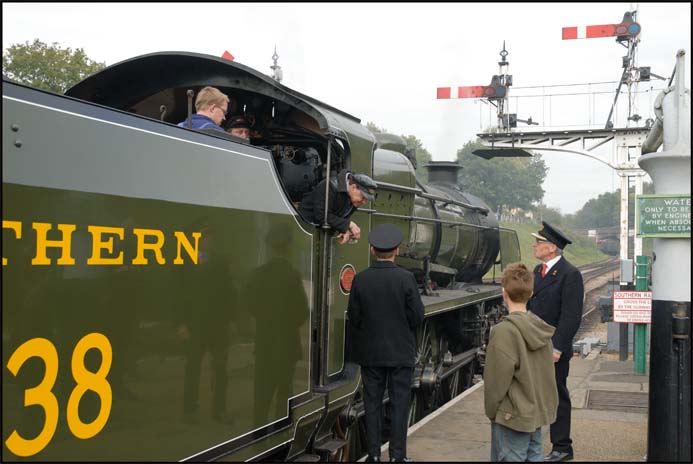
(164, 300)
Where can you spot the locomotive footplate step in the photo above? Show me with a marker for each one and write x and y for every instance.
(331, 445)
(469, 294)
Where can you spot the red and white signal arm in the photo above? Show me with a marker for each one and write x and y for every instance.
(632, 307)
(604, 30)
(474, 91)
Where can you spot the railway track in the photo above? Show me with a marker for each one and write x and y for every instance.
(596, 277)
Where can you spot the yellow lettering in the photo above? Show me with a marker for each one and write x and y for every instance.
(42, 243)
(41, 395)
(142, 245)
(17, 227)
(88, 380)
(98, 244)
(183, 240)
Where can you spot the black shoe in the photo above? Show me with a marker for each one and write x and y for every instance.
(557, 456)
(372, 458)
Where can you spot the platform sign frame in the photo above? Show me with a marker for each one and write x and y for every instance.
(632, 307)
(663, 215)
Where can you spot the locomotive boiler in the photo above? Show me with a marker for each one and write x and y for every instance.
(164, 300)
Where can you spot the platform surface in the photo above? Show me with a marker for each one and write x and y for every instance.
(460, 431)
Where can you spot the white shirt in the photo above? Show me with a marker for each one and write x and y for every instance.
(550, 263)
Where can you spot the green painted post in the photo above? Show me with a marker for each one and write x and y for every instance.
(640, 330)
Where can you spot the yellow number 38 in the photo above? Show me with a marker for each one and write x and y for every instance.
(42, 394)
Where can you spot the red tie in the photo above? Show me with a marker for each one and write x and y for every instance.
(543, 270)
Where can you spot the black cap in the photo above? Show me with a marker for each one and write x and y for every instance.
(385, 237)
(238, 121)
(550, 234)
(365, 184)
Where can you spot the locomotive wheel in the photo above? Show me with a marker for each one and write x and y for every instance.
(450, 387)
(355, 436)
(427, 354)
(467, 378)
(357, 444)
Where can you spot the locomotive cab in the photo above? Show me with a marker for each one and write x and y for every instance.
(296, 129)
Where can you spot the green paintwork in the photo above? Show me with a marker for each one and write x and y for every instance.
(225, 302)
(663, 216)
(510, 248)
(640, 330)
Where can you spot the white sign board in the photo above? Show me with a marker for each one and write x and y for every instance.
(632, 307)
(592, 233)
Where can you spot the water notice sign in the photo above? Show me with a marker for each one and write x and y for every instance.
(663, 216)
(632, 307)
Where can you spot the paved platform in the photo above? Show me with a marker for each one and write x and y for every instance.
(460, 431)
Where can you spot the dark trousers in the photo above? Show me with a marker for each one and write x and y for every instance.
(399, 389)
(560, 430)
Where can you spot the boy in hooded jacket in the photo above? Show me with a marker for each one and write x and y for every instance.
(520, 394)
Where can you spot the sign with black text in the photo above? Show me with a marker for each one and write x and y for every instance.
(632, 307)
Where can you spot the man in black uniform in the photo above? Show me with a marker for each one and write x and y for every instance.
(384, 309)
(557, 299)
(347, 192)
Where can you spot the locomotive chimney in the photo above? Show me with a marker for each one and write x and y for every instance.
(442, 172)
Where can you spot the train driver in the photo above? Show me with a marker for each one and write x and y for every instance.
(240, 127)
(348, 191)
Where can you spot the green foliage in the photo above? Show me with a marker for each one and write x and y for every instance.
(413, 143)
(422, 156)
(504, 183)
(375, 129)
(582, 251)
(605, 210)
(551, 215)
(47, 67)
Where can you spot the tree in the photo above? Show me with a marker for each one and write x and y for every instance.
(413, 143)
(551, 215)
(422, 156)
(605, 210)
(47, 67)
(504, 183)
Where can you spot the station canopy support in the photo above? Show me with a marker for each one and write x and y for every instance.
(627, 147)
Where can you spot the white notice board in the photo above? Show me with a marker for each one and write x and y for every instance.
(632, 307)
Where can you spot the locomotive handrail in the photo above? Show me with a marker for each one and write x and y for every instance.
(425, 219)
(398, 188)
(428, 196)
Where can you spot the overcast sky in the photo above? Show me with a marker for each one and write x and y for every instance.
(383, 62)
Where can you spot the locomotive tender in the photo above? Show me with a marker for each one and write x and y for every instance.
(163, 299)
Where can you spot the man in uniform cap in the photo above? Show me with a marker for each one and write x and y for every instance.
(384, 309)
(557, 299)
(348, 191)
(240, 127)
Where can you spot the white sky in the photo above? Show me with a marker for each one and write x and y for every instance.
(383, 62)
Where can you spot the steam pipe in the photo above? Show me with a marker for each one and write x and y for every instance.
(655, 138)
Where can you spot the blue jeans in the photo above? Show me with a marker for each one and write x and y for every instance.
(509, 445)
